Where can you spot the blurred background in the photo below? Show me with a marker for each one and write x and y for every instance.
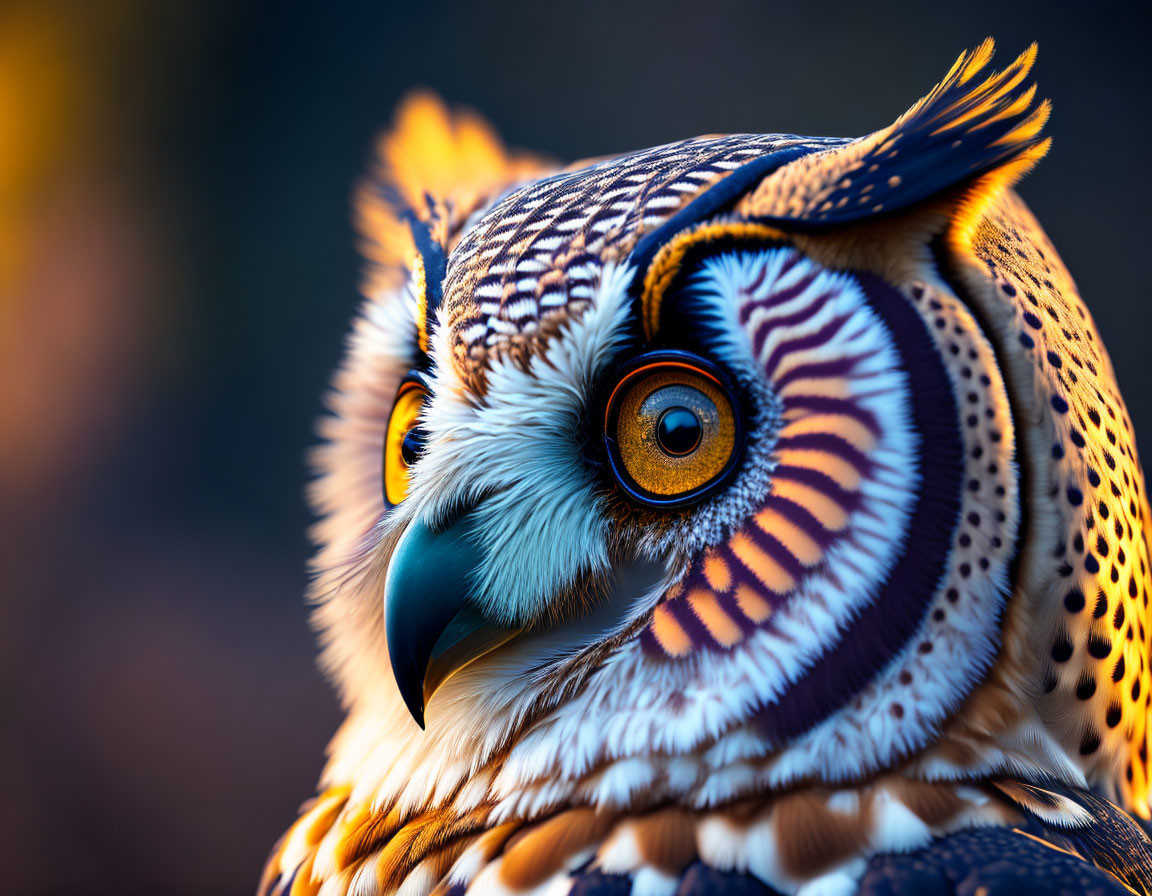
(176, 274)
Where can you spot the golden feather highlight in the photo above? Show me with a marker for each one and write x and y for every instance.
(669, 260)
(436, 165)
(975, 126)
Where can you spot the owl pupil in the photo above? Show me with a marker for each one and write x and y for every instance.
(678, 431)
(412, 445)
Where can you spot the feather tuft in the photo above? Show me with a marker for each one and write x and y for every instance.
(976, 125)
(432, 169)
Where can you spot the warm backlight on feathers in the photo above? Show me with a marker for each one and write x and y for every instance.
(671, 429)
(404, 441)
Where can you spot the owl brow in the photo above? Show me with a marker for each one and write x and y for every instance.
(714, 200)
(430, 265)
(433, 262)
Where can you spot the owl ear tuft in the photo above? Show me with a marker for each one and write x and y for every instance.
(975, 125)
(430, 171)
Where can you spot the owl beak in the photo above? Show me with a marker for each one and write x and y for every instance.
(433, 629)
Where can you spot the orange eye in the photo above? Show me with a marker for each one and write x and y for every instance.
(404, 441)
(671, 430)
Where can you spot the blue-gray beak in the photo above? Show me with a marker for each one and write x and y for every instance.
(433, 629)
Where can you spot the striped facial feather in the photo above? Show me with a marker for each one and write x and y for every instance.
(837, 489)
(957, 634)
(846, 466)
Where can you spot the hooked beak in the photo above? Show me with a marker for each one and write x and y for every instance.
(433, 629)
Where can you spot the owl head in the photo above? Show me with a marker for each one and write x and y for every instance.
(726, 465)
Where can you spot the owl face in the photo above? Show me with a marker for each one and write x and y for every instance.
(735, 453)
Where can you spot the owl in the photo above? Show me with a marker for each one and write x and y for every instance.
(753, 514)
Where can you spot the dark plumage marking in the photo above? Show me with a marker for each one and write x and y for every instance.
(591, 882)
(985, 861)
(1099, 647)
(989, 861)
(1061, 649)
(890, 620)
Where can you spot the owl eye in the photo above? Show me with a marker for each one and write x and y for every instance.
(404, 441)
(671, 429)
